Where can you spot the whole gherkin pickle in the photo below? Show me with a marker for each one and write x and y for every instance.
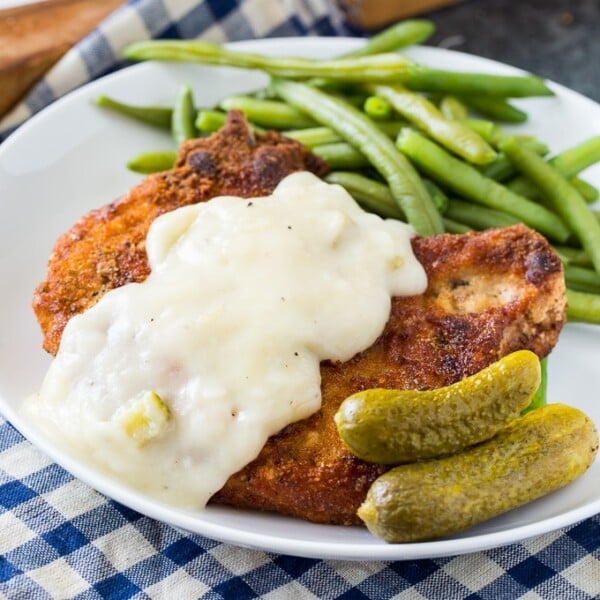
(533, 456)
(400, 426)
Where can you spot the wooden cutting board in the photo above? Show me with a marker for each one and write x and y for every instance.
(374, 14)
(33, 37)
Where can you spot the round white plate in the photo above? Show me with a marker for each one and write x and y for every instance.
(70, 158)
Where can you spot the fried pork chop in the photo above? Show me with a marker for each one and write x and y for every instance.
(488, 294)
(106, 248)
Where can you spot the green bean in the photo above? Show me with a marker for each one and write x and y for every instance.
(539, 398)
(497, 109)
(372, 67)
(451, 226)
(468, 182)
(524, 187)
(582, 279)
(529, 141)
(399, 35)
(478, 217)
(376, 197)
(209, 121)
(377, 108)
(455, 136)
(152, 162)
(582, 306)
(391, 128)
(486, 129)
(316, 136)
(272, 114)
(501, 169)
(574, 160)
(184, 115)
(452, 108)
(391, 67)
(588, 192)
(439, 197)
(465, 84)
(372, 195)
(568, 163)
(313, 136)
(159, 116)
(341, 155)
(573, 256)
(406, 185)
(563, 198)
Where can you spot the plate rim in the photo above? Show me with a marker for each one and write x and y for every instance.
(378, 550)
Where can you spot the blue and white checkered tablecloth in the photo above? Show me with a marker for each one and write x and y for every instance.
(61, 539)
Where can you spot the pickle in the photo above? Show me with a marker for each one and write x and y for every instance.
(534, 455)
(400, 426)
(146, 419)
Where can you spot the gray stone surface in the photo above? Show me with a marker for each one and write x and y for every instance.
(556, 39)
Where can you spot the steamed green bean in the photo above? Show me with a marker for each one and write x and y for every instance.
(272, 114)
(209, 121)
(159, 116)
(452, 108)
(152, 162)
(376, 197)
(478, 217)
(497, 109)
(341, 155)
(378, 108)
(382, 68)
(588, 192)
(372, 195)
(568, 163)
(468, 182)
(316, 136)
(502, 168)
(184, 116)
(452, 226)
(399, 35)
(563, 198)
(453, 135)
(582, 279)
(356, 128)
(573, 256)
(582, 306)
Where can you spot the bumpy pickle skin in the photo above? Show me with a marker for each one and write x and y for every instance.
(401, 426)
(534, 455)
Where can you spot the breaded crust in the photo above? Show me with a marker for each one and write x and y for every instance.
(106, 248)
(488, 294)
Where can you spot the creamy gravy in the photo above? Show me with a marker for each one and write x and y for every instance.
(174, 384)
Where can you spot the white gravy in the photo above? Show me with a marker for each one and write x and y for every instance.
(220, 347)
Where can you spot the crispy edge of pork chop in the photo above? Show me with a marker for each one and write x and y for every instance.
(488, 294)
(106, 248)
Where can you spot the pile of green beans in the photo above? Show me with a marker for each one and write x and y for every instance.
(408, 141)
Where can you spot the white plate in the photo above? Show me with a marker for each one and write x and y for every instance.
(70, 158)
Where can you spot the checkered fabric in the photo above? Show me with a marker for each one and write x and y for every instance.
(61, 539)
(213, 20)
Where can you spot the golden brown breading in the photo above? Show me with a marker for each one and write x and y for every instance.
(106, 248)
(488, 294)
